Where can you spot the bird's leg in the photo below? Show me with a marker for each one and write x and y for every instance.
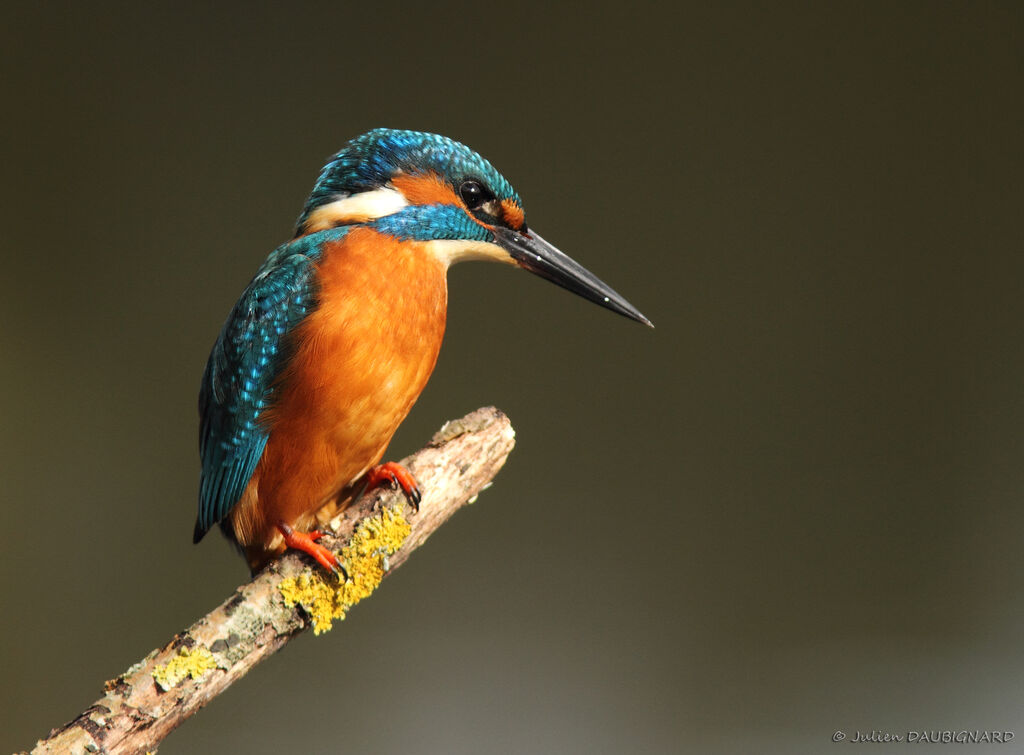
(307, 543)
(391, 473)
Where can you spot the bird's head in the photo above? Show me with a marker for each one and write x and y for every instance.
(425, 187)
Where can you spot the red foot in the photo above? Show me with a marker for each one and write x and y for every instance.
(392, 473)
(306, 542)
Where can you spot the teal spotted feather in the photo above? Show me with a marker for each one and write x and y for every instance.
(238, 384)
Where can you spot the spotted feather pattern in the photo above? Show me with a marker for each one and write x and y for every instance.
(239, 381)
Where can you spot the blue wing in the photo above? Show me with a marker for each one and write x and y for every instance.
(238, 383)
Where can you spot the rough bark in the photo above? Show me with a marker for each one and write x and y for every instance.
(136, 713)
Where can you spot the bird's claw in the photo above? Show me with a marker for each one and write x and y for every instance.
(307, 543)
(392, 473)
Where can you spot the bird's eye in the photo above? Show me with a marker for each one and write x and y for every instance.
(474, 194)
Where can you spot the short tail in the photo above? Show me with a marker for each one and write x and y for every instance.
(198, 533)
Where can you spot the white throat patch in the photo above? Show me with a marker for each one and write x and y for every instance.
(450, 251)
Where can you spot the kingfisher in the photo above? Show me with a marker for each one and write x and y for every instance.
(332, 341)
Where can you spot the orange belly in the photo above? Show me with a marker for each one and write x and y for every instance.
(359, 363)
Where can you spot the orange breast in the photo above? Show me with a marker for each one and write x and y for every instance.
(359, 363)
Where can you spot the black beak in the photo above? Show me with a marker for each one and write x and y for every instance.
(533, 253)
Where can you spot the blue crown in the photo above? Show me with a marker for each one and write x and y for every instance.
(369, 161)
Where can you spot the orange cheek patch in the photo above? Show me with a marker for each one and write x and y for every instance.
(513, 213)
(428, 189)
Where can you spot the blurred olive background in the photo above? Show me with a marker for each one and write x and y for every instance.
(791, 509)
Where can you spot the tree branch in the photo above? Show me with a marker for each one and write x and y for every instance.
(377, 533)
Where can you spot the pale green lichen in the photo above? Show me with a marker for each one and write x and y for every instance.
(187, 663)
(323, 596)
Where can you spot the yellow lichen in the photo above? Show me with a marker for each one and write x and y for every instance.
(323, 596)
(193, 663)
